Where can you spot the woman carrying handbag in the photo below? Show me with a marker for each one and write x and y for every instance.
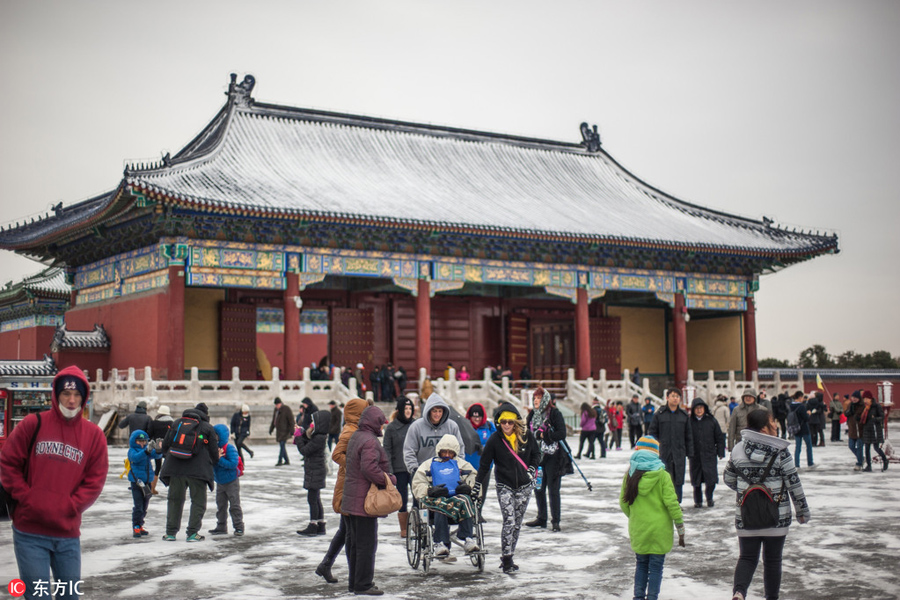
(367, 463)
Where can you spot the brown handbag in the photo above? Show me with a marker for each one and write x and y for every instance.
(382, 502)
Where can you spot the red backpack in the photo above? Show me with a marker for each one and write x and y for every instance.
(240, 465)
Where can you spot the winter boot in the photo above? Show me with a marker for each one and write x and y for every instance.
(507, 565)
(136, 532)
(153, 486)
(403, 517)
(324, 570)
(320, 528)
(536, 523)
(311, 529)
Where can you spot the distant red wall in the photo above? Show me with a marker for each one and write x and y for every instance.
(26, 344)
(136, 326)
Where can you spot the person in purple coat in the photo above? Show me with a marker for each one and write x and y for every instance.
(367, 463)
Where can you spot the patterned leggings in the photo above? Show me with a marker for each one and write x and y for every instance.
(513, 504)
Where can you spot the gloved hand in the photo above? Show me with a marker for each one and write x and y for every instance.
(476, 490)
(439, 491)
(532, 472)
(539, 434)
(681, 540)
(463, 489)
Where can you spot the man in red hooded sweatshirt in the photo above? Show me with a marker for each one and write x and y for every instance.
(54, 482)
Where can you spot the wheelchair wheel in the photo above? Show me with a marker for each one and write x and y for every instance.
(426, 540)
(413, 539)
(477, 558)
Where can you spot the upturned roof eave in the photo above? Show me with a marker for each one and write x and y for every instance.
(52, 228)
(829, 244)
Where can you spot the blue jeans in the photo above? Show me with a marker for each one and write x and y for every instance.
(38, 555)
(282, 453)
(648, 576)
(442, 529)
(800, 439)
(856, 447)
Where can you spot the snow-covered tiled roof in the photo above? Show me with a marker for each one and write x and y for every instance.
(50, 282)
(64, 339)
(283, 162)
(28, 368)
(276, 159)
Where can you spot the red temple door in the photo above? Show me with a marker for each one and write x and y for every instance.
(552, 349)
(516, 343)
(237, 345)
(352, 337)
(606, 347)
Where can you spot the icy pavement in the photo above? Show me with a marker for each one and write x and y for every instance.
(849, 550)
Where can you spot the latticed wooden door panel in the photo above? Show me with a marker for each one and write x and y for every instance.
(237, 340)
(352, 337)
(606, 346)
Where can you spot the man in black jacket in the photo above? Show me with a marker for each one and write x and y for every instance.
(635, 419)
(671, 427)
(194, 472)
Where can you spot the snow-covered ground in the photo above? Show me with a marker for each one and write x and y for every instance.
(849, 550)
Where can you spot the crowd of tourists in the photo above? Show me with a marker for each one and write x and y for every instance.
(443, 461)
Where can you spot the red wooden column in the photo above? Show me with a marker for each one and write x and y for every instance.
(582, 336)
(679, 335)
(175, 320)
(423, 325)
(291, 328)
(750, 359)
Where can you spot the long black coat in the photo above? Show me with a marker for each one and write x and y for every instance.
(676, 440)
(312, 447)
(872, 431)
(709, 446)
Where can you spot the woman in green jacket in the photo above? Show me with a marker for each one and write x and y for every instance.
(648, 500)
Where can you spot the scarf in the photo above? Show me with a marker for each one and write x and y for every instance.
(645, 460)
(513, 440)
(864, 415)
(540, 415)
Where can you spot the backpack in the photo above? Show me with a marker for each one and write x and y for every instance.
(793, 423)
(240, 466)
(185, 442)
(759, 510)
(446, 474)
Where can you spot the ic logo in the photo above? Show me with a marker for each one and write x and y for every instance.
(16, 588)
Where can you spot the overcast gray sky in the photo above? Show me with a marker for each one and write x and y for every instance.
(784, 109)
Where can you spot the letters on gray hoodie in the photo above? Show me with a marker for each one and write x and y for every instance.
(423, 436)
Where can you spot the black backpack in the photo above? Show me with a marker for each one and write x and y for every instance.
(187, 439)
(759, 509)
(793, 423)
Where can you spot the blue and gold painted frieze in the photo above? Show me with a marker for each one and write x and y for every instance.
(31, 321)
(210, 277)
(717, 286)
(131, 264)
(145, 283)
(715, 302)
(226, 257)
(358, 265)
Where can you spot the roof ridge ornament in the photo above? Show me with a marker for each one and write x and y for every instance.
(590, 138)
(239, 93)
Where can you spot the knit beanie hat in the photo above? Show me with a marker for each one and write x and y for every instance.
(648, 442)
(70, 382)
(203, 408)
(867, 394)
(507, 416)
(245, 409)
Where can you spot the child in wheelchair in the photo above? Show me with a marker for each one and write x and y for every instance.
(443, 485)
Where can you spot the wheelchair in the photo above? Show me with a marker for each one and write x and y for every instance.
(420, 537)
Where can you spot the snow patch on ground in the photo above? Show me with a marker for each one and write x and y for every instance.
(847, 551)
